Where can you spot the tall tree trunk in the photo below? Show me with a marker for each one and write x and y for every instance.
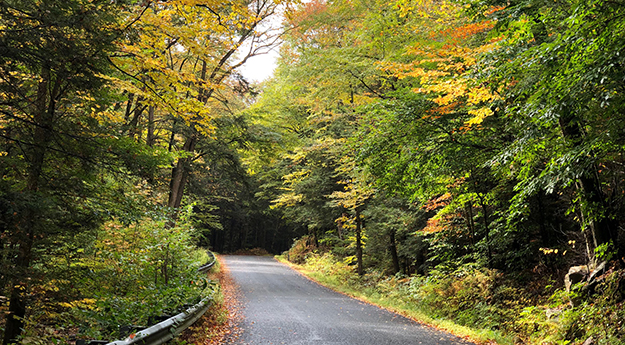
(359, 243)
(129, 104)
(603, 229)
(172, 136)
(470, 223)
(393, 249)
(179, 175)
(180, 172)
(150, 137)
(340, 226)
(43, 119)
(486, 219)
(133, 125)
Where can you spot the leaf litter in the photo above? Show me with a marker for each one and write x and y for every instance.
(221, 323)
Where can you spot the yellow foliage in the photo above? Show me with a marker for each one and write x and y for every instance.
(478, 116)
(296, 176)
(183, 53)
(287, 200)
(443, 61)
(85, 304)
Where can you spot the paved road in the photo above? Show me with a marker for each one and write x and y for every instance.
(283, 307)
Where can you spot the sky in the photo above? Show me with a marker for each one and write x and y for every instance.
(259, 68)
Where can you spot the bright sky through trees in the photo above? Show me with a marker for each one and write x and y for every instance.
(261, 67)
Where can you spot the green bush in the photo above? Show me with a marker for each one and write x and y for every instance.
(470, 296)
(126, 275)
(329, 266)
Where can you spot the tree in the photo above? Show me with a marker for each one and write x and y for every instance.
(179, 62)
(52, 91)
(557, 70)
(357, 192)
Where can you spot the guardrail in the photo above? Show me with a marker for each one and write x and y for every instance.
(209, 265)
(165, 331)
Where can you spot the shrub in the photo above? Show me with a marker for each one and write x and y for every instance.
(329, 266)
(299, 250)
(469, 296)
(126, 275)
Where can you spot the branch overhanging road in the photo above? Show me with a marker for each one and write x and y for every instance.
(283, 307)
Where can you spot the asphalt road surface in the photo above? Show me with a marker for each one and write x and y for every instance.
(280, 306)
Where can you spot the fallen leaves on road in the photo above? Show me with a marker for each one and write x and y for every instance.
(220, 324)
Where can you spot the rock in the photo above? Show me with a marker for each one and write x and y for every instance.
(596, 277)
(553, 313)
(589, 341)
(597, 271)
(576, 274)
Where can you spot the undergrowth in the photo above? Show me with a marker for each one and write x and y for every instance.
(129, 275)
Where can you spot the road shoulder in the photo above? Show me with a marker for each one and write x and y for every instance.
(462, 332)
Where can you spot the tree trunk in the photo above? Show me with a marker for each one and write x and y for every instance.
(150, 137)
(485, 218)
(43, 119)
(133, 125)
(470, 223)
(359, 243)
(340, 226)
(131, 99)
(179, 175)
(180, 172)
(393, 249)
(172, 136)
(603, 230)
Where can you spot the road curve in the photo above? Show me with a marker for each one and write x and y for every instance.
(280, 306)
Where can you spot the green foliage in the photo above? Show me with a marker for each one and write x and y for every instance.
(471, 296)
(126, 275)
(102, 103)
(605, 252)
(327, 265)
(451, 150)
(597, 317)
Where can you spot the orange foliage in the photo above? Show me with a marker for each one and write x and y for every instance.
(437, 203)
(306, 12)
(221, 324)
(433, 225)
(493, 10)
(443, 64)
(468, 30)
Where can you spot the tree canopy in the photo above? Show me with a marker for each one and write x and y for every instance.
(407, 138)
